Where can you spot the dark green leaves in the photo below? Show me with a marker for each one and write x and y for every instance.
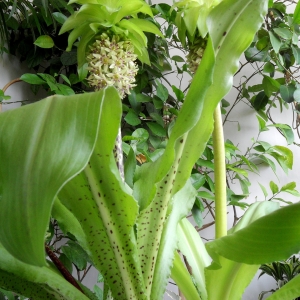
(287, 92)
(260, 101)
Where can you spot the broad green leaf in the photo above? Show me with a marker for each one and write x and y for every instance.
(75, 254)
(297, 95)
(263, 190)
(229, 282)
(284, 33)
(64, 90)
(32, 79)
(261, 122)
(98, 292)
(35, 139)
(289, 186)
(285, 159)
(68, 58)
(146, 26)
(192, 247)
(206, 195)
(183, 279)
(134, 29)
(177, 58)
(273, 187)
(275, 41)
(162, 92)
(252, 54)
(260, 101)
(255, 88)
(291, 290)
(59, 17)
(44, 41)
(286, 130)
(296, 15)
(269, 68)
(129, 167)
(35, 282)
(270, 85)
(270, 238)
(132, 118)
(296, 53)
(191, 16)
(253, 213)
(157, 129)
(286, 92)
(68, 223)
(234, 277)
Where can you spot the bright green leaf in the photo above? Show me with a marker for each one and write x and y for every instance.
(270, 238)
(32, 79)
(273, 187)
(291, 290)
(22, 231)
(192, 247)
(177, 58)
(132, 118)
(276, 43)
(284, 33)
(162, 92)
(44, 41)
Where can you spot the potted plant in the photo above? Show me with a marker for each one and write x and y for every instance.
(131, 231)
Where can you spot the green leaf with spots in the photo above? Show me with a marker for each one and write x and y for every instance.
(230, 23)
(180, 206)
(35, 282)
(106, 211)
(192, 247)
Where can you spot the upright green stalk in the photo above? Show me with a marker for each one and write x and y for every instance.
(220, 175)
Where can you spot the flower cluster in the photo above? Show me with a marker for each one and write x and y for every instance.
(196, 51)
(111, 62)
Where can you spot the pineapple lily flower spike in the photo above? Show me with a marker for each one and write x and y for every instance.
(111, 39)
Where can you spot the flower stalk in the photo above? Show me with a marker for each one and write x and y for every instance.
(220, 176)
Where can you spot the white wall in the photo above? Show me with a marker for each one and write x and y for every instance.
(12, 69)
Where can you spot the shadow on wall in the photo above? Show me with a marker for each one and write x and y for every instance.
(12, 69)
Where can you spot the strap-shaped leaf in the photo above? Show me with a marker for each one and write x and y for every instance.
(42, 146)
(183, 279)
(181, 205)
(191, 246)
(35, 282)
(232, 25)
(106, 210)
(229, 282)
(270, 238)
